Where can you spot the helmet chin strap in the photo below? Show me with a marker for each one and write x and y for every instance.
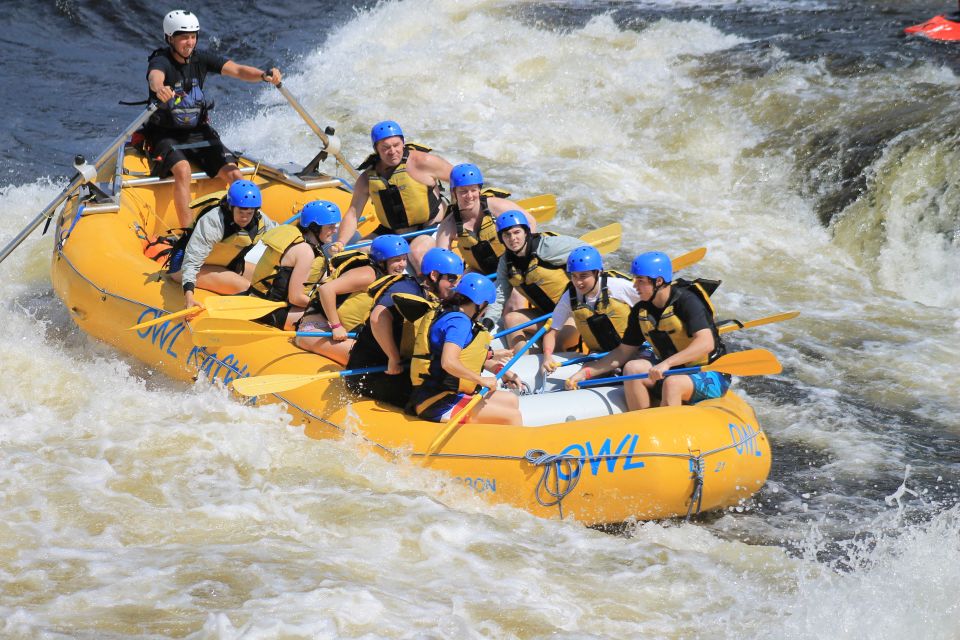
(657, 287)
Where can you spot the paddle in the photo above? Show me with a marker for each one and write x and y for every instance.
(215, 332)
(605, 239)
(109, 154)
(780, 317)
(226, 307)
(688, 259)
(275, 383)
(331, 144)
(542, 208)
(524, 325)
(456, 420)
(753, 362)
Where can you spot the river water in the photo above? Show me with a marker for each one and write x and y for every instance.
(807, 145)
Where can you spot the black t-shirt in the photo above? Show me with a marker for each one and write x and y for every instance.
(687, 307)
(182, 77)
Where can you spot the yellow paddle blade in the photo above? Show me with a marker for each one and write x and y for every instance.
(780, 317)
(753, 362)
(240, 307)
(688, 259)
(452, 425)
(543, 208)
(275, 383)
(166, 318)
(605, 239)
(222, 332)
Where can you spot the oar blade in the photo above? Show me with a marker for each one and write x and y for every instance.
(605, 239)
(688, 259)
(166, 318)
(240, 307)
(275, 383)
(753, 362)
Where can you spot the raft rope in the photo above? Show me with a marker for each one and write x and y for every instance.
(698, 465)
(552, 465)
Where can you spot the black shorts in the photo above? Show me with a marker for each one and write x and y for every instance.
(395, 389)
(166, 148)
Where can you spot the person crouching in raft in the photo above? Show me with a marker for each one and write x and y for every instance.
(218, 241)
(402, 181)
(533, 264)
(294, 262)
(596, 304)
(459, 347)
(678, 322)
(385, 338)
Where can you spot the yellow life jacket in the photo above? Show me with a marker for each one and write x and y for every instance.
(236, 241)
(398, 200)
(473, 357)
(270, 279)
(602, 327)
(481, 249)
(366, 345)
(356, 308)
(540, 282)
(420, 312)
(669, 335)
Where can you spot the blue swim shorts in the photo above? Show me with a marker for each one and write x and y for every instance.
(708, 385)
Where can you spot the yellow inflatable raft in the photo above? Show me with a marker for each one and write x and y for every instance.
(652, 464)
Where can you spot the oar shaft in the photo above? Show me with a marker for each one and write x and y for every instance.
(107, 154)
(324, 138)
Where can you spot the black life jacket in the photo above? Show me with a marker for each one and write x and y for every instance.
(188, 109)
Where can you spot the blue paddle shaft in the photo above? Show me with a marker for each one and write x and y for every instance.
(409, 234)
(523, 326)
(636, 376)
(517, 355)
(320, 334)
(357, 372)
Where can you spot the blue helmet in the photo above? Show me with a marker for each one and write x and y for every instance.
(244, 194)
(464, 175)
(653, 265)
(477, 288)
(388, 246)
(385, 129)
(585, 258)
(442, 261)
(319, 212)
(511, 218)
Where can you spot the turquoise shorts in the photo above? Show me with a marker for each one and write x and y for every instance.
(708, 385)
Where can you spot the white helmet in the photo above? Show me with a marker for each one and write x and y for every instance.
(180, 21)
